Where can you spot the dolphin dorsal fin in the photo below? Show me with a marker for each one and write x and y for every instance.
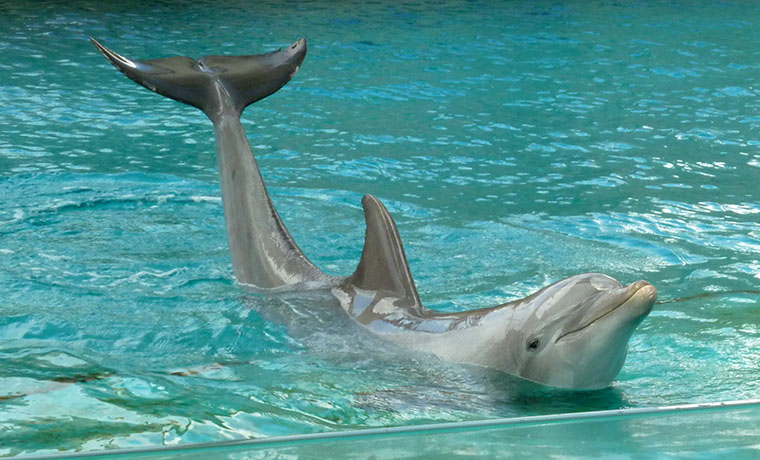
(383, 266)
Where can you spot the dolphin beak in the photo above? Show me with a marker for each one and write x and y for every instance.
(645, 294)
(643, 291)
(646, 289)
(637, 299)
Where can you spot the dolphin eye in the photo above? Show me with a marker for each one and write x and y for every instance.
(534, 344)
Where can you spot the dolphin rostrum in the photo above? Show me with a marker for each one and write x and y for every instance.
(571, 334)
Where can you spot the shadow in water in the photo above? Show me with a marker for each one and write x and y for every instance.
(532, 398)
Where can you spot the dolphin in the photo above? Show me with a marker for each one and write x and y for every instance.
(571, 334)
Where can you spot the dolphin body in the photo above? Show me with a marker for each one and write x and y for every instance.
(571, 334)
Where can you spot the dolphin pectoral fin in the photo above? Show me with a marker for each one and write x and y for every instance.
(383, 266)
(213, 83)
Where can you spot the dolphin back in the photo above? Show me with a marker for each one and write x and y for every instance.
(214, 84)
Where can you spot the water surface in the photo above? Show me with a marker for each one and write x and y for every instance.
(515, 144)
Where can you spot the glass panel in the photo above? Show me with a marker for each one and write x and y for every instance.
(730, 430)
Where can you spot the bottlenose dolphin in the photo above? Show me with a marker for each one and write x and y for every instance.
(571, 334)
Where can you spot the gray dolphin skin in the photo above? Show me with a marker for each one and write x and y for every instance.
(572, 334)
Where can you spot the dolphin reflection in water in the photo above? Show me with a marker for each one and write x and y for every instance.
(571, 334)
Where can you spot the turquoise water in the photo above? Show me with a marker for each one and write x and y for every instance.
(514, 144)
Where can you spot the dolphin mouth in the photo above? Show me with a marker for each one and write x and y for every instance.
(645, 288)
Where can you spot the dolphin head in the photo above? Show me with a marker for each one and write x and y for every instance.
(574, 333)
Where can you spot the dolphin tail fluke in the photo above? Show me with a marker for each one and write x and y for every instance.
(264, 254)
(383, 266)
(213, 83)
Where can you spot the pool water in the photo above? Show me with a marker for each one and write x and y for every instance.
(515, 144)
